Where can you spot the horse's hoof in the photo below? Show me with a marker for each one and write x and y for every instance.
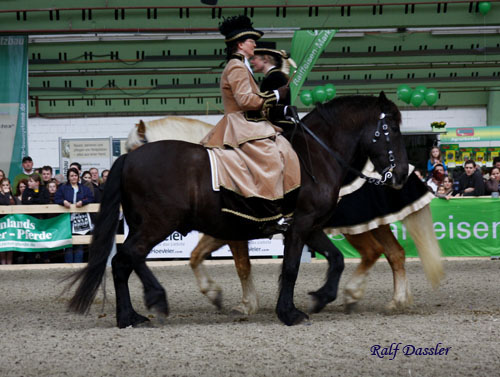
(161, 315)
(292, 317)
(215, 298)
(157, 302)
(134, 320)
(240, 310)
(350, 307)
(318, 302)
(395, 306)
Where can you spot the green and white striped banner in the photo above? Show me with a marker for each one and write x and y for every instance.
(27, 233)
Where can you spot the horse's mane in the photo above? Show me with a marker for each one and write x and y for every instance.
(168, 128)
(357, 108)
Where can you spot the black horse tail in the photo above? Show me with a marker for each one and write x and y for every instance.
(103, 238)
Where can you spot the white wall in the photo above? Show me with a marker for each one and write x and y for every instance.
(43, 134)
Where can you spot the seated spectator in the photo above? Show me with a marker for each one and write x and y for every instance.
(35, 193)
(436, 179)
(471, 182)
(87, 181)
(76, 193)
(104, 176)
(52, 189)
(95, 176)
(28, 171)
(21, 186)
(435, 158)
(59, 179)
(7, 199)
(496, 162)
(46, 175)
(445, 191)
(493, 184)
(2, 175)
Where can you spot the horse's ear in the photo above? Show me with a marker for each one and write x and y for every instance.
(141, 129)
(382, 98)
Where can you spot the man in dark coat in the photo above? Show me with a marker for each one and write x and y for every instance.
(471, 182)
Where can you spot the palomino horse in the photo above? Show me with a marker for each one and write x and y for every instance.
(370, 240)
(181, 199)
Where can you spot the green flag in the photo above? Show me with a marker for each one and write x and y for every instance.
(13, 103)
(307, 46)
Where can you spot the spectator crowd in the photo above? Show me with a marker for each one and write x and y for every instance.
(472, 181)
(40, 186)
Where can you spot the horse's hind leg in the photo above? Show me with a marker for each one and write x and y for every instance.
(207, 286)
(249, 302)
(370, 250)
(122, 268)
(395, 254)
(319, 242)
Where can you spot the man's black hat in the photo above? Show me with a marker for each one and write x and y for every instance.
(27, 158)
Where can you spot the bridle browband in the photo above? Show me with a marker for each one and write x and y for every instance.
(386, 173)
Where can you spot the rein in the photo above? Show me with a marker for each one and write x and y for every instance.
(386, 173)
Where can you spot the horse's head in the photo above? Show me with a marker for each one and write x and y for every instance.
(136, 137)
(384, 143)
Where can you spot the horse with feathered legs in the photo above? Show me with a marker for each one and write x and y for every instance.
(153, 210)
(367, 231)
(371, 244)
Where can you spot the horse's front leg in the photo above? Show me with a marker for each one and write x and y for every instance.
(208, 287)
(285, 307)
(249, 301)
(395, 254)
(370, 250)
(319, 242)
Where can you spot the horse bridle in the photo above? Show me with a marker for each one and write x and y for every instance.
(386, 173)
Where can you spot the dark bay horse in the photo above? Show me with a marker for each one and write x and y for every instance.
(166, 186)
(370, 236)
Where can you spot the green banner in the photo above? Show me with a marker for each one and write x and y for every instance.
(466, 134)
(13, 103)
(464, 228)
(27, 233)
(307, 46)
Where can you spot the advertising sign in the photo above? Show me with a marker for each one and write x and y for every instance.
(90, 153)
(27, 233)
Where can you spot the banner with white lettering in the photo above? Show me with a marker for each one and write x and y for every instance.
(27, 233)
(13, 103)
(464, 228)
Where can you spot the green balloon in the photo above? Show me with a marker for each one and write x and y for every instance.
(306, 97)
(318, 94)
(330, 91)
(421, 89)
(417, 98)
(404, 93)
(431, 96)
(484, 7)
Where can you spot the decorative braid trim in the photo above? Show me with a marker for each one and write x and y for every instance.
(248, 32)
(248, 217)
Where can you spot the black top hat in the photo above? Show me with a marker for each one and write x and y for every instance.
(27, 158)
(238, 28)
(269, 48)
